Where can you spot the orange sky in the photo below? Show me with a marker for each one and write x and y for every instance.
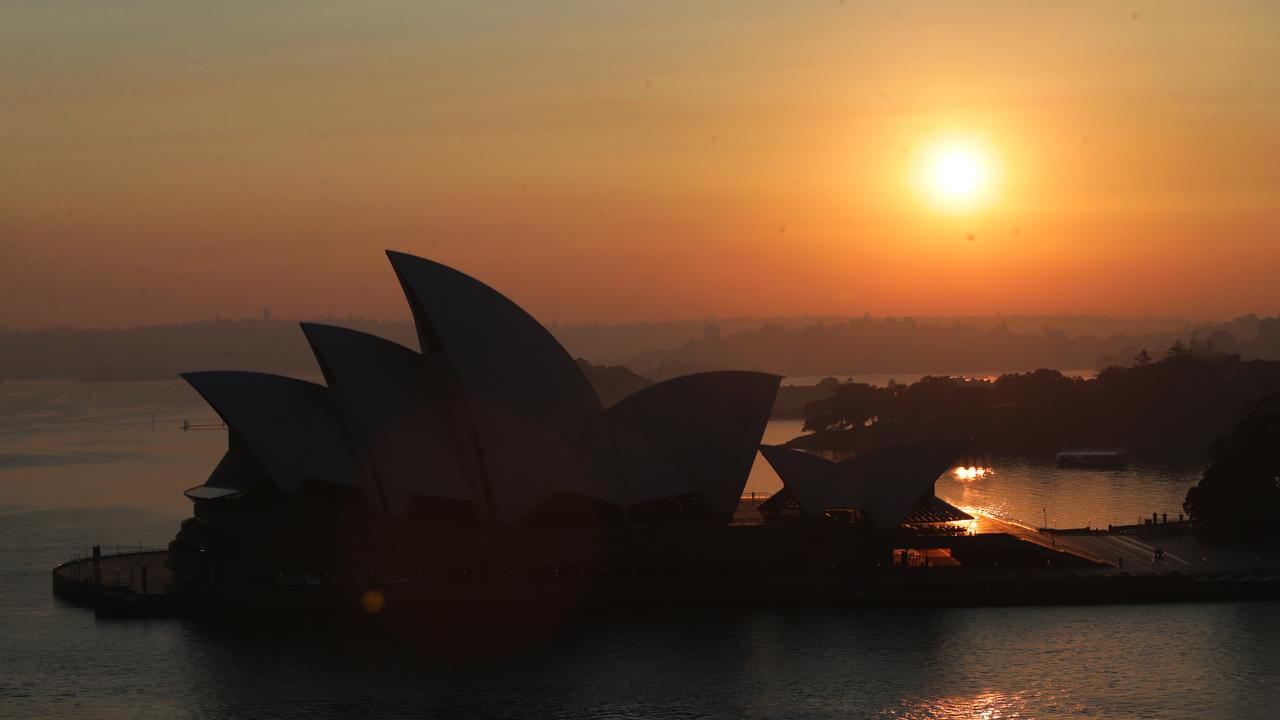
(611, 162)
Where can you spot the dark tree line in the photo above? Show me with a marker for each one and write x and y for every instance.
(612, 382)
(1161, 409)
(1239, 495)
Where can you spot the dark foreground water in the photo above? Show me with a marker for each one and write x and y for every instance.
(81, 465)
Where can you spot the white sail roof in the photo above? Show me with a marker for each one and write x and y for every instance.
(398, 416)
(535, 418)
(884, 483)
(288, 426)
(695, 434)
(808, 477)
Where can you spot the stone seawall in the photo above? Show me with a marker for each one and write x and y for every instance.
(112, 586)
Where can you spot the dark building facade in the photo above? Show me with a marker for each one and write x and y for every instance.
(488, 430)
(482, 468)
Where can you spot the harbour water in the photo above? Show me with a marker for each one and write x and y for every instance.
(85, 464)
(1035, 490)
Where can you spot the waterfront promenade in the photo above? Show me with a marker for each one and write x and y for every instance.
(1116, 567)
(1180, 552)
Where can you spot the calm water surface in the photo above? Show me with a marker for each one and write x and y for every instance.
(85, 464)
(1035, 489)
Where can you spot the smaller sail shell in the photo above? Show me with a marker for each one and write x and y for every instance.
(884, 483)
(289, 427)
(398, 416)
(691, 435)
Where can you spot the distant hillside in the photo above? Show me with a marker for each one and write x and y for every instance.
(795, 346)
(162, 351)
(612, 382)
(1172, 407)
(908, 346)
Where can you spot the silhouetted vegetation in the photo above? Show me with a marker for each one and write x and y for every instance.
(792, 400)
(913, 347)
(612, 382)
(1173, 407)
(1238, 497)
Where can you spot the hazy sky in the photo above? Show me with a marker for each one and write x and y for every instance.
(606, 161)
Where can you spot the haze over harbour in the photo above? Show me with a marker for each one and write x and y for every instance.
(810, 347)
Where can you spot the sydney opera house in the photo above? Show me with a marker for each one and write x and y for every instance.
(483, 466)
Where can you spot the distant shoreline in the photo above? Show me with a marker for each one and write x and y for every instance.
(864, 348)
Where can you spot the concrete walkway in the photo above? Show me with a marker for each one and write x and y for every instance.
(1133, 554)
(120, 573)
(1121, 551)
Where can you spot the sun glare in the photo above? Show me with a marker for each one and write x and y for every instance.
(956, 175)
(969, 473)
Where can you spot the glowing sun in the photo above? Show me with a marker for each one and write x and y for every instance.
(956, 175)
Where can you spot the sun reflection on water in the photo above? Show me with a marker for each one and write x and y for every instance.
(971, 472)
(990, 705)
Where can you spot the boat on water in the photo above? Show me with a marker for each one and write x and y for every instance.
(1094, 458)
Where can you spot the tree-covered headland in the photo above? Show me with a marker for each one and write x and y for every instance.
(1238, 497)
(1169, 408)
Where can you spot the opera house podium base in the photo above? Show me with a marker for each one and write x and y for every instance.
(482, 470)
(824, 574)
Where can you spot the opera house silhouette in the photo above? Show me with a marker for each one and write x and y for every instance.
(483, 467)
